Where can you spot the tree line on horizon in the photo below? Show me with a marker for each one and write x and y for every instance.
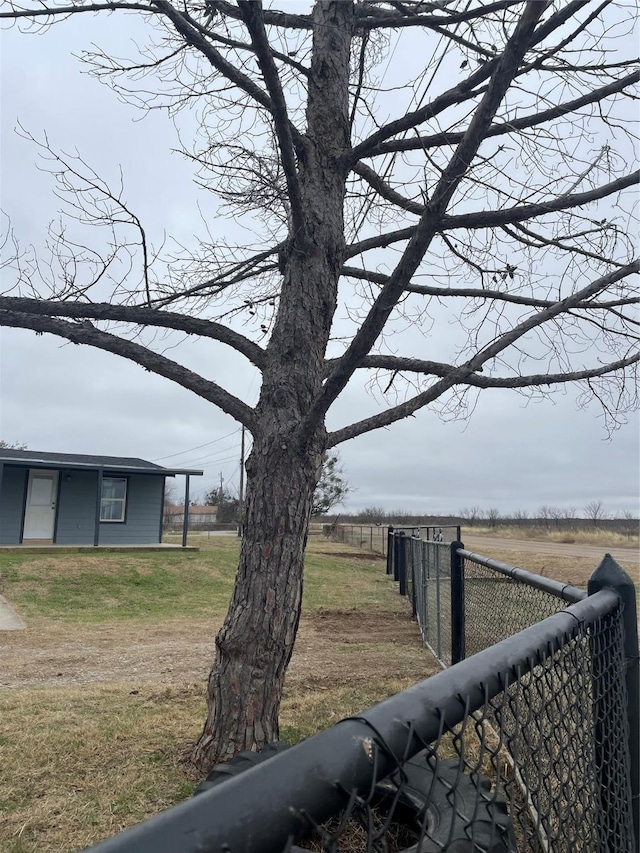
(592, 515)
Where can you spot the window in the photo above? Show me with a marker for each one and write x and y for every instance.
(113, 499)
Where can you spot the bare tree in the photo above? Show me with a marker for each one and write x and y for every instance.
(372, 515)
(595, 511)
(519, 516)
(556, 514)
(631, 523)
(544, 514)
(170, 493)
(471, 514)
(492, 515)
(12, 445)
(489, 196)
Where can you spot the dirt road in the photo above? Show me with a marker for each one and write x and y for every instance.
(486, 544)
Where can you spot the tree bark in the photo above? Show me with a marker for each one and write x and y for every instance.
(255, 643)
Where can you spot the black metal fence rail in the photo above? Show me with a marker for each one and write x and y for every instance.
(465, 602)
(498, 600)
(538, 713)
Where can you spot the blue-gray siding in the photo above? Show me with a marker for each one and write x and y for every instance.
(144, 505)
(12, 495)
(77, 507)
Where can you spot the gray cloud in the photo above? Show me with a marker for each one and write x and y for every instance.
(72, 399)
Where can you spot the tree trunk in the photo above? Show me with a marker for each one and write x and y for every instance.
(255, 643)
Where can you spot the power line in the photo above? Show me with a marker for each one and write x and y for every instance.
(209, 459)
(199, 447)
(205, 460)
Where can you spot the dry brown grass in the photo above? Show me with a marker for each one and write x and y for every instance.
(99, 714)
(566, 568)
(80, 763)
(94, 729)
(600, 538)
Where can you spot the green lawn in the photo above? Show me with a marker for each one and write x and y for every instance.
(107, 586)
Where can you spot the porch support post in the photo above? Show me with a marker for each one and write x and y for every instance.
(96, 526)
(185, 516)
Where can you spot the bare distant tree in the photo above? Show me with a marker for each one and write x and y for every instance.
(471, 514)
(12, 445)
(372, 514)
(520, 515)
(490, 196)
(169, 493)
(556, 514)
(595, 511)
(631, 523)
(544, 514)
(492, 515)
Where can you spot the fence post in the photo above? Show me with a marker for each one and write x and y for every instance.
(396, 553)
(457, 604)
(414, 592)
(438, 614)
(402, 563)
(609, 575)
(390, 549)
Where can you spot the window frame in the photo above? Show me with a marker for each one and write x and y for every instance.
(124, 501)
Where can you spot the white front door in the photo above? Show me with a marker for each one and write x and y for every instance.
(40, 510)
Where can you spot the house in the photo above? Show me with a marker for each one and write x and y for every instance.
(75, 499)
(199, 516)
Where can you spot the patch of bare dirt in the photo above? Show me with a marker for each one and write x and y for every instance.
(171, 653)
(350, 646)
(332, 646)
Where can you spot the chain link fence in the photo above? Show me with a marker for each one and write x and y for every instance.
(523, 747)
(375, 537)
(367, 537)
(500, 600)
(464, 602)
(428, 580)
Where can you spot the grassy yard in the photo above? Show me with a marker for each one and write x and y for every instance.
(104, 690)
(88, 588)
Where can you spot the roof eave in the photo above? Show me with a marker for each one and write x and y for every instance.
(85, 466)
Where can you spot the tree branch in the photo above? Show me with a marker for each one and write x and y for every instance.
(277, 19)
(428, 226)
(494, 218)
(11, 305)
(458, 93)
(85, 333)
(435, 368)
(369, 17)
(435, 140)
(467, 372)
(73, 10)
(193, 37)
(480, 292)
(254, 19)
(399, 412)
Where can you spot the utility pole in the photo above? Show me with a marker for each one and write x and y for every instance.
(241, 502)
(221, 488)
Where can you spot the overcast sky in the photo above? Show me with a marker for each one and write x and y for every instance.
(59, 397)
